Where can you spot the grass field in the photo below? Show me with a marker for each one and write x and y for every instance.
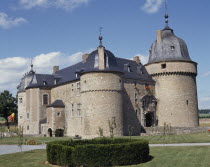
(39, 140)
(190, 138)
(193, 156)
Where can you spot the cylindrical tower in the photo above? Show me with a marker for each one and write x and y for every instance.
(101, 101)
(101, 95)
(175, 75)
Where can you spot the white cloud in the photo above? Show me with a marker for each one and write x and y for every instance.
(7, 22)
(63, 4)
(205, 74)
(152, 6)
(12, 69)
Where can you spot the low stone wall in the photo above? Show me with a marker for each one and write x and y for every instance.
(152, 131)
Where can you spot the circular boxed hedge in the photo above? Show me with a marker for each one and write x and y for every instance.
(97, 152)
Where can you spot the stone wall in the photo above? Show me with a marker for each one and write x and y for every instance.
(70, 95)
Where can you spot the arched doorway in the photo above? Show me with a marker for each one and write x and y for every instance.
(149, 119)
(50, 132)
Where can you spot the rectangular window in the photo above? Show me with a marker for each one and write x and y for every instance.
(27, 127)
(45, 99)
(136, 97)
(72, 110)
(72, 90)
(21, 117)
(27, 115)
(79, 109)
(78, 87)
(20, 100)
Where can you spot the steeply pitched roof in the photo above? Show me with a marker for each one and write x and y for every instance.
(57, 104)
(128, 68)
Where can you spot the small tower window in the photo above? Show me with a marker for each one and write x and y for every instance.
(163, 66)
(172, 47)
(27, 127)
(187, 102)
(58, 114)
(20, 100)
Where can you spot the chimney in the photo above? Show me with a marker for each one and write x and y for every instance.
(159, 36)
(84, 57)
(55, 69)
(101, 58)
(137, 59)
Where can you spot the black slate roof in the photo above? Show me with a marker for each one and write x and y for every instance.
(128, 68)
(57, 104)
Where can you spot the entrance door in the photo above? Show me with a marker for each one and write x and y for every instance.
(149, 119)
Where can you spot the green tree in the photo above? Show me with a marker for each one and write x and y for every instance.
(8, 105)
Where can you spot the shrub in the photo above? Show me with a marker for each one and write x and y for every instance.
(98, 152)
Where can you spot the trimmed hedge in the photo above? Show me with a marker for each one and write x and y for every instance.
(97, 152)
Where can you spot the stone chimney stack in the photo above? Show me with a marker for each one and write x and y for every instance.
(137, 59)
(159, 36)
(101, 58)
(84, 57)
(55, 69)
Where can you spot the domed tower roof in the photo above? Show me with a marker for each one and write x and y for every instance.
(168, 47)
(25, 81)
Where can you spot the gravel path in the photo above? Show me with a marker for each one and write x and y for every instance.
(180, 144)
(8, 149)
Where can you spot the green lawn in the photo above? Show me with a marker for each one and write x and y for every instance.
(39, 140)
(192, 156)
(188, 138)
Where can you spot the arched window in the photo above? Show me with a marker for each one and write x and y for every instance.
(45, 99)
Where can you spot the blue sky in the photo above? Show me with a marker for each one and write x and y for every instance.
(58, 32)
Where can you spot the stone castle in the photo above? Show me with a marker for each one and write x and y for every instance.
(104, 92)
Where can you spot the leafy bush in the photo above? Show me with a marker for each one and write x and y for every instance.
(98, 152)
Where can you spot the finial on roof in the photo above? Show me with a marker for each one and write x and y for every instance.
(166, 16)
(32, 70)
(100, 36)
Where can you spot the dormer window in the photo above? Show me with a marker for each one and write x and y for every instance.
(55, 81)
(44, 82)
(172, 47)
(129, 68)
(96, 61)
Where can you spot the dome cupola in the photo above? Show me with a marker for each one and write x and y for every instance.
(168, 47)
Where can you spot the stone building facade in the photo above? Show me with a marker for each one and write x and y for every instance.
(105, 93)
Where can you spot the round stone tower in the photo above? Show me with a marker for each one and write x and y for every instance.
(101, 95)
(175, 75)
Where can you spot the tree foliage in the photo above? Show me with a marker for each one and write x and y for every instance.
(8, 104)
